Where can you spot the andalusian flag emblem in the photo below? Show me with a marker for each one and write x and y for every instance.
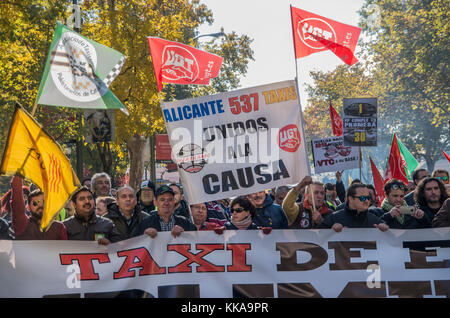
(31, 153)
(78, 72)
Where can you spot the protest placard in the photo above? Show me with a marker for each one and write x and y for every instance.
(238, 142)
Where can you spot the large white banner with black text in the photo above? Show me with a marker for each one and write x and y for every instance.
(238, 142)
(285, 263)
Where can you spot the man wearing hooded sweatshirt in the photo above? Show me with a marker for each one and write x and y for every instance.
(309, 213)
(145, 196)
(268, 213)
(391, 208)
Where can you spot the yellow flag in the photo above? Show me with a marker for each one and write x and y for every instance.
(31, 153)
(350, 180)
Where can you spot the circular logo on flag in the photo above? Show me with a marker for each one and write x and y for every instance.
(179, 64)
(72, 66)
(289, 138)
(191, 158)
(310, 28)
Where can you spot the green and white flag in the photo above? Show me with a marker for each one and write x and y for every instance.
(78, 72)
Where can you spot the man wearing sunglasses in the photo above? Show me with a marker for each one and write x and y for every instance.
(28, 228)
(355, 213)
(442, 175)
(396, 213)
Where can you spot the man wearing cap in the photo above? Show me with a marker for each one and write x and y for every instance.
(164, 219)
(145, 196)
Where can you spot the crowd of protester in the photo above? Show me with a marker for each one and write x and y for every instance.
(98, 212)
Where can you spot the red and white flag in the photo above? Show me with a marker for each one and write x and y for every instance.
(378, 182)
(314, 33)
(179, 63)
(336, 122)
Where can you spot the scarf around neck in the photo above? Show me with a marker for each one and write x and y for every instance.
(244, 224)
(386, 206)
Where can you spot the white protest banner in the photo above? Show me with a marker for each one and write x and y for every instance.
(330, 154)
(238, 142)
(285, 263)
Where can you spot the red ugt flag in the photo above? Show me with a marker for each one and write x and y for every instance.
(377, 182)
(179, 63)
(314, 33)
(396, 164)
(336, 122)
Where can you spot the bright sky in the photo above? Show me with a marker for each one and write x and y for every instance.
(268, 23)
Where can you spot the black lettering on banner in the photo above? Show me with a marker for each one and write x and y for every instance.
(418, 251)
(288, 256)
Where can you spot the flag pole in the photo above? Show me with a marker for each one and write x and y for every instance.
(360, 164)
(298, 88)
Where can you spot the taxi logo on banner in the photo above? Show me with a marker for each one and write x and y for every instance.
(178, 63)
(310, 28)
(191, 158)
(289, 138)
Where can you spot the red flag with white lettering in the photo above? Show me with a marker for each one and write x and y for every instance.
(336, 122)
(377, 182)
(396, 167)
(314, 33)
(179, 63)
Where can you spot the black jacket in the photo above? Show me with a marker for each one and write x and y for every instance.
(409, 222)
(429, 215)
(123, 227)
(183, 210)
(4, 230)
(350, 218)
(153, 221)
(78, 229)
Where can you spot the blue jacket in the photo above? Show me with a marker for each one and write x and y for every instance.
(270, 215)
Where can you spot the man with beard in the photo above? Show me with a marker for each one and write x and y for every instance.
(268, 214)
(28, 228)
(85, 225)
(181, 207)
(430, 195)
(101, 184)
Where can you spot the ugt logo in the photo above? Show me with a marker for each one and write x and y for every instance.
(289, 138)
(310, 28)
(179, 63)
